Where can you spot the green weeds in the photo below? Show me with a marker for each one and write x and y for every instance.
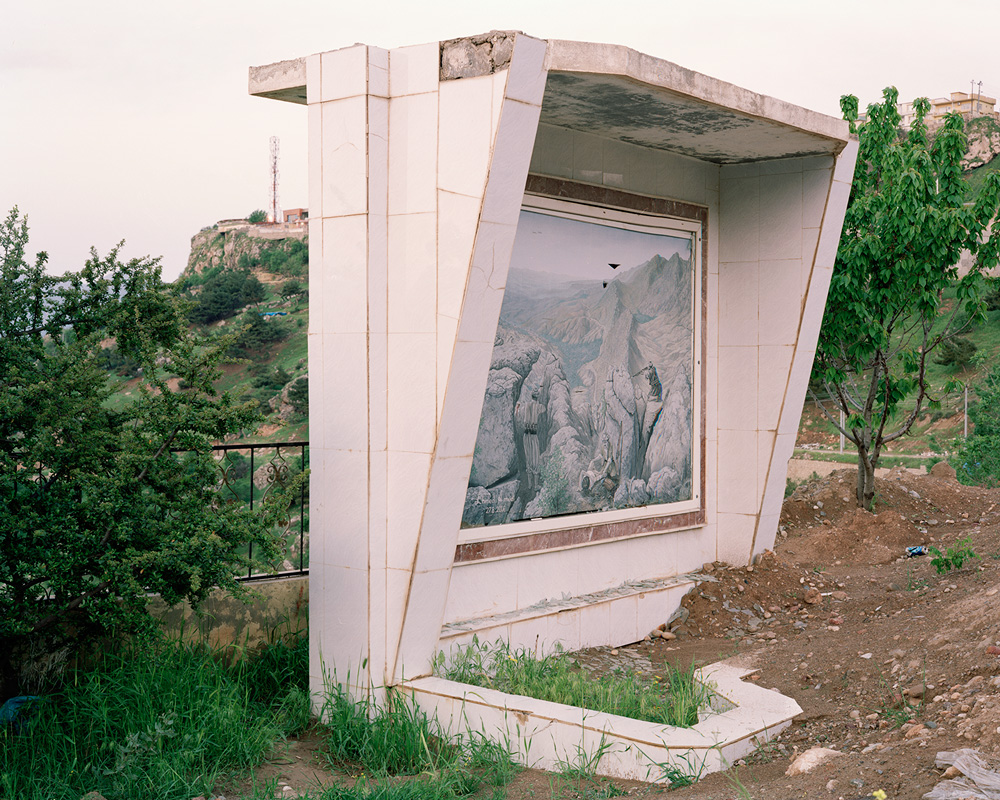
(398, 739)
(673, 699)
(953, 557)
(166, 722)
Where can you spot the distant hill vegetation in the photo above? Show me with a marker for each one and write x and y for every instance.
(251, 280)
(983, 156)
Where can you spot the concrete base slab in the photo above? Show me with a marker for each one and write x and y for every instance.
(549, 736)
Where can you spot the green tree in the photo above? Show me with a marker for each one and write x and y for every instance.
(905, 227)
(978, 460)
(100, 507)
(298, 395)
(252, 291)
(258, 216)
(257, 333)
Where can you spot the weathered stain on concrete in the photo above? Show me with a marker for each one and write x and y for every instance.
(274, 609)
(472, 56)
(622, 108)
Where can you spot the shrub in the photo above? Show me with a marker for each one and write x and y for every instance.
(98, 510)
(955, 352)
(258, 333)
(298, 395)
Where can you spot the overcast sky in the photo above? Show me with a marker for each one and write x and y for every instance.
(124, 119)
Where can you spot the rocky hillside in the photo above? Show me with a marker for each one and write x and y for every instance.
(240, 245)
(255, 277)
(984, 142)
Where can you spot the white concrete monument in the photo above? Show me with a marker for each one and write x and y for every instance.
(564, 304)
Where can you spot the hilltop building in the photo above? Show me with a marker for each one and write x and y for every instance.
(297, 216)
(966, 104)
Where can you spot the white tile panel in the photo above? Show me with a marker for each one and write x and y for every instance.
(735, 537)
(378, 509)
(738, 388)
(414, 69)
(624, 614)
(378, 273)
(344, 73)
(315, 161)
(344, 374)
(378, 390)
(338, 621)
(407, 491)
(815, 185)
(340, 514)
(615, 163)
(412, 273)
(378, 72)
(588, 157)
(412, 417)
(413, 146)
(780, 216)
(509, 166)
(422, 623)
(343, 276)
(314, 87)
(643, 171)
(526, 74)
(712, 285)
(457, 220)
(345, 156)
(774, 363)
(563, 629)
(739, 286)
(447, 333)
(780, 304)
(843, 171)
(739, 219)
(443, 513)
(738, 492)
(378, 155)
(553, 152)
(481, 589)
(595, 625)
(547, 576)
(466, 135)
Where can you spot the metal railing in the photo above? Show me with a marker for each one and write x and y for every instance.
(248, 476)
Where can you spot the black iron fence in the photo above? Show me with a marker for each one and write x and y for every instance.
(249, 472)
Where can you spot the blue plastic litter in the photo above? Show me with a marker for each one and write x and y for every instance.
(916, 550)
(11, 712)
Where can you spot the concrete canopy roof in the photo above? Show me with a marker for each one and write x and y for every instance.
(621, 94)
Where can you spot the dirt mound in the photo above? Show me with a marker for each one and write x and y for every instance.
(889, 660)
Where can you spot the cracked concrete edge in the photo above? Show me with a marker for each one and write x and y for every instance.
(283, 80)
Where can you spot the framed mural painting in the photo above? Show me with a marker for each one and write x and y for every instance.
(592, 411)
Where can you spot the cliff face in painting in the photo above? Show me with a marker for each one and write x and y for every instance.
(589, 401)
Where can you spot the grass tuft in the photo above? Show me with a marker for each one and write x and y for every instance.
(398, 739)
(165, 722)
(674, 698)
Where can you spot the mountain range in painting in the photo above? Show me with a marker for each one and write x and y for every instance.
(588, 405)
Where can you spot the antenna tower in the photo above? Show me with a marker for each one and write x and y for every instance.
(275, 210)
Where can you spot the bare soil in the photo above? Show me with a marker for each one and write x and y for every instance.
(890, 661)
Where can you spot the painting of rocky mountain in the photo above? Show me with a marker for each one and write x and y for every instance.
(589, 402)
